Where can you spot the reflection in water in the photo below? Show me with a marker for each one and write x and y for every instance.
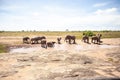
(24, 50)
(61, 47)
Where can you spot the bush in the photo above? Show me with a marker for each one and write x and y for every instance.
(88, 33)
(1, 31)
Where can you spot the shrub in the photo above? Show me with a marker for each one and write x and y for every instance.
(88, 33)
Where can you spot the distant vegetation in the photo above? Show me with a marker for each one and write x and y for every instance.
(78, 34)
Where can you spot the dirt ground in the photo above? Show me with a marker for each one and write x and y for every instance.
(79, 61)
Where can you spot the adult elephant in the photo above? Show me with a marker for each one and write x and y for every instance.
(44, 43)
(26, 40)
(70, 38)
(36, 40)
(85, 39)
(96, 39)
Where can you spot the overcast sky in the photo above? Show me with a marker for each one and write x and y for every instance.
(59, 15)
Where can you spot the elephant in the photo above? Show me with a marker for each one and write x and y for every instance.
(43, 43)
(69, 38)
(85, 39)
(96, 39)
(36, 40)
(58, 40)
(50, 44)
(26, 40)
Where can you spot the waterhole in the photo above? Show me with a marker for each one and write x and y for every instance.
(60, 47)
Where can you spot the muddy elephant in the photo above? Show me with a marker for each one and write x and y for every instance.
(43, 43)
(96, 39)
(85, 39)
(70, 38)
(58, 40)
(26, 40)
(51, 44)
(36, 40)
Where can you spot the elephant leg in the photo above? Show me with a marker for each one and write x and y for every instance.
(32, 42)
(28, 41)
(25, 41)
(94, 41)
(99, 41)
(74, 42)
(69, 41)
(46, 46)
(36, 41)
(87, 40)
(91, 40)
(83, 39)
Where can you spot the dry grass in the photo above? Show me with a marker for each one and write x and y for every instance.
(3, 48)
(78, 34)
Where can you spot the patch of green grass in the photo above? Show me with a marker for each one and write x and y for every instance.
(3, 48)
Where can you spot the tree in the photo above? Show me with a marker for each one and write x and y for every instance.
(88, 33)
(67, 29)
(23, 31)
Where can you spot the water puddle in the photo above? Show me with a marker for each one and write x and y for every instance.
(61, 47)
(24, 50)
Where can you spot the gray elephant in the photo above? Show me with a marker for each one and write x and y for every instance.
(85, 39)
(44, 43)
(36, 40)
(26, 40)
(70, 38)
(58, 40)
(96, 39)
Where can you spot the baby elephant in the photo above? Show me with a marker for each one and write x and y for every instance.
(51, 44)
(59, 39)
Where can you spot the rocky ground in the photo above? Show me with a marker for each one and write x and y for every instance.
(64, 62)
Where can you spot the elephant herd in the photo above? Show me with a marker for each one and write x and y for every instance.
(34, 40)
(41, 40)
(94, 39)
(68, 39)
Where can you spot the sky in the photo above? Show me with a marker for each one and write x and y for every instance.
(59, 15)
